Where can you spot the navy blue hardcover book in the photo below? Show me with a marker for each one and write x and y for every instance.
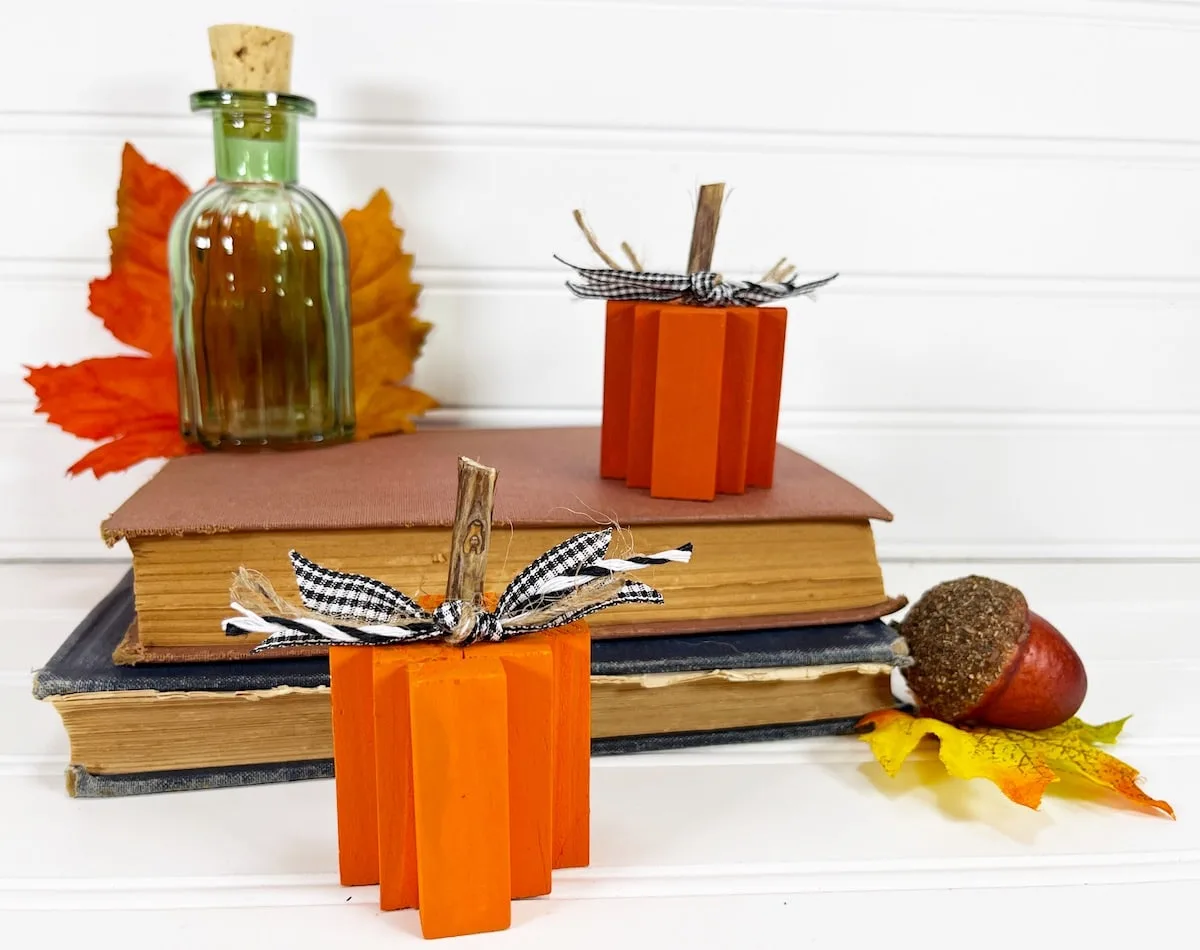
(84, 665)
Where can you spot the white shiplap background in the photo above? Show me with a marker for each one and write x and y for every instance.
(1010, 191)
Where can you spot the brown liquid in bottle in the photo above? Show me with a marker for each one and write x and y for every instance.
(258, 317)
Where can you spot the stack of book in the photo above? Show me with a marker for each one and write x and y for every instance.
(775, 629)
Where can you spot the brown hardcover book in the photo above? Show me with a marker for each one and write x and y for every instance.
(800, 553)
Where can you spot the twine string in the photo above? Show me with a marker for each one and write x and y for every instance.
(570, 581)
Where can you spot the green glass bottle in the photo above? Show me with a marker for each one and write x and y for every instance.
(260, 288)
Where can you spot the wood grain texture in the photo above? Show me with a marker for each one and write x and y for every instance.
(472, 532)
(704, 227)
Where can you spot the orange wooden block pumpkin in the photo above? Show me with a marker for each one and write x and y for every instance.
(618, 367)
(530, 673)
(518, 714)
(461, 796)
(462, 738)
(691, 398)
(351, 673)
(687, 402)
(693, 366)
(396, 823)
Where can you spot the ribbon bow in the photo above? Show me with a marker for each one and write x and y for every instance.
(704, 288)
(568, 582)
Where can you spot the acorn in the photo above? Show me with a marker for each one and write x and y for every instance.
(980, 656)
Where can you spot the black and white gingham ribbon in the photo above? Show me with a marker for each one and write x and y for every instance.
(704, 288)
(379, 615)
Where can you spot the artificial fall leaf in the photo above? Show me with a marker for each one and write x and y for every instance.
(391, 408)
(130, 403)
(134, 301)
(108, 395)
(388, 338)
(1022, 764)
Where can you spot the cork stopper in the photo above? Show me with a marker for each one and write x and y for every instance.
(251, 58)
(962, 634)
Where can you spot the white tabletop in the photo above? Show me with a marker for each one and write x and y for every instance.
(792, 844)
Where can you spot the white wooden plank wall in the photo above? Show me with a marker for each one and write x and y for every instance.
(1010, 191)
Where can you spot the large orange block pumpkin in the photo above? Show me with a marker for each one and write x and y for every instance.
(455, 766)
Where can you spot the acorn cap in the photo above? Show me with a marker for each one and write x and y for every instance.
(962, 634)
(251, 58)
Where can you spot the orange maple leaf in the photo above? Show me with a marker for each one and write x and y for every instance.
(130, 403)
(1021, 764)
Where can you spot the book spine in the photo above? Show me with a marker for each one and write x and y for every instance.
(629, 745)
(617, 664)
(84, 784)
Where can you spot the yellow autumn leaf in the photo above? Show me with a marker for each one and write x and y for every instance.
(1021, 764)
(388, 337)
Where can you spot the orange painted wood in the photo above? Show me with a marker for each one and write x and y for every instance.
(528, 663)
(737, 397)
(482, 759)
(642, 393)
(687, 402)
(618, 367)
(460, 794)
(394, 769)
(351, 692)
(572, 736)
(768, 386)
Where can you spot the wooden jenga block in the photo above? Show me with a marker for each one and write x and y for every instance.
(394, 769)
(618, 367)
(461, 796)
(528, 663)
(737, 397)
(351, 675)
(768, 385)
(642, 383)
(687, 403)
(572, 736)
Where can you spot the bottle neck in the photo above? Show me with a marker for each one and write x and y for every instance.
(255, 147)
